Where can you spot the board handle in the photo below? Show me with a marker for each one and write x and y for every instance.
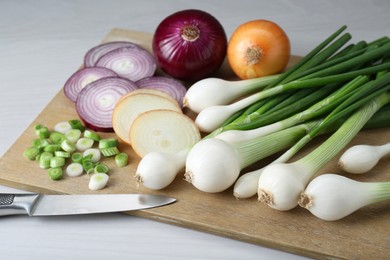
(14, 203)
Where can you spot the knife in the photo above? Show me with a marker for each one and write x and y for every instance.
(35, 204)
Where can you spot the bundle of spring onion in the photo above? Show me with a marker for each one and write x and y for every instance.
(328, 86)
(331, 84)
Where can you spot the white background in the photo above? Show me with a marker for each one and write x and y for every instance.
(42, 43)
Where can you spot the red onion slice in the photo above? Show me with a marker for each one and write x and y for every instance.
(96, 102)
(94, 54)
(131, 63)
(170, 86)
(82, 77)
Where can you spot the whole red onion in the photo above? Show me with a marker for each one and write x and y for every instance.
(190, 45)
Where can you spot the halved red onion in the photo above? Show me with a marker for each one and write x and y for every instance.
(95, 103)
(82, 77)
(131, 63)
(170, 86)
(94, 54)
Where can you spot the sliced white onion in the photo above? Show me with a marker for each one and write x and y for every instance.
(162, 130)
(132, 105)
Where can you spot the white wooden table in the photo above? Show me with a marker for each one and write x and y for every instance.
(42, 42)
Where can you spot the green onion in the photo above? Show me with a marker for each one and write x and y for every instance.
(121, 159)
(101, 168)
(108, 143)
(110, 151)
(84, 143)
(68, 146)
(52, 148)
(62, 154)
(39, 143)
(92, 135)
(43, 132)
(281, 184)
(76, 157)
(57, 137)
(76, 124)
(55, 173)
(88, 165)
(31, 153)
(44, 160)
(57, 162)
(73, 135)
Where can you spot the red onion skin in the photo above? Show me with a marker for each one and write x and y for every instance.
(185, 59)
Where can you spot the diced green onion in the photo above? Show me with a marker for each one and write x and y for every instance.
(57, 162)
(68, 146)
(121, 159)
(57, 137)
(39, 143)
(37, 127)
(96, 155)
(55, 173)
(76, 157)
(110, 151)
(92, 135)
(62, 127)
(31, 153)
(74, 169)
(88, 165)
(62, 154)
(84, 143)
(101, 168)
(44, 160)
(76, 124)
(108, 143)
(73, 135)
(52, 148)
(43, 132)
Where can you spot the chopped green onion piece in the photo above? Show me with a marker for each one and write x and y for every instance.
(37, 127)
(98, 181)
(52, 148)
(73, 135)
(57, 162)
(62, 127)
(31, 153)
(43, 132)
(84, 143)
(108, 143)
(74, 169)
(39, 143)
(121, 159)
(92, 135)
(101, 168)
(87, 166)
(87, 158)
(95, 154)
(76, 124)
(55, 173)
(44, 160)
(110, 151)
(57, 137)
(92, 170)
(62, 154)
(68, 146)
(76, 157)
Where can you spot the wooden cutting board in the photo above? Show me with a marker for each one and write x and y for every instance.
(362, 235)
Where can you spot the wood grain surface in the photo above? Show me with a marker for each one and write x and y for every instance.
(362, 235)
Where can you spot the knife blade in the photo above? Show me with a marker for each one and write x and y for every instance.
(35, 204)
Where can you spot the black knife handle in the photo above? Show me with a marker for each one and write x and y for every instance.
(15, 203)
